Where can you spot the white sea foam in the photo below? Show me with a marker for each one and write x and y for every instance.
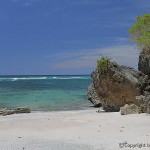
(68, 78)
(28, 78)
(43, 78)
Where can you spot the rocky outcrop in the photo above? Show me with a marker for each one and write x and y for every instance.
(92, 96)
(129, 109)
(2, 110)
(148, 108)
(144, 63)
(116, 86)
(6, 111)
(22, 110)
(145, 103)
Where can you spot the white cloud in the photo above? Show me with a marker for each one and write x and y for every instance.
(94, 41)
(124, 55)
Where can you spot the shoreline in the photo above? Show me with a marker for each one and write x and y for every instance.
(63, 111)
(83, 130)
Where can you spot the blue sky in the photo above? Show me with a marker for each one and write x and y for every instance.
(66, 36)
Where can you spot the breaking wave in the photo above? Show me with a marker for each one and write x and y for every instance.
(43, 78)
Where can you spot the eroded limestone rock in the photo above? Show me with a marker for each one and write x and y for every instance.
(20, 110)
(144, 63)
(129, 109)
(116, 86)
(6, 111)
(92, 96)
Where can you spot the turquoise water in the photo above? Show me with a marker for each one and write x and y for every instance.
(45, 93)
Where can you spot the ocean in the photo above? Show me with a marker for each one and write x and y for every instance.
(45, 93)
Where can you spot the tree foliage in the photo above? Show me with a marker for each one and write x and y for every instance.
(140, 32)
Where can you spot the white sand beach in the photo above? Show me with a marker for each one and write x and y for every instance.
(74, 130)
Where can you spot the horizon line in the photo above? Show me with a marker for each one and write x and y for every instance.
(46, 75)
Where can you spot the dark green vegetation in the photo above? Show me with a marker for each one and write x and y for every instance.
(140, 32)
(103, 63)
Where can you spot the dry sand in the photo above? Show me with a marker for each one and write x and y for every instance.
(74, 130)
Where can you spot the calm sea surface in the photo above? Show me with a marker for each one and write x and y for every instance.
(45, 93)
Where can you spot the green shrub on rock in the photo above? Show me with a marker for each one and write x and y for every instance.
(103, 63)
